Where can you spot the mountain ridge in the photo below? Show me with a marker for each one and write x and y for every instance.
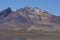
(28, 18)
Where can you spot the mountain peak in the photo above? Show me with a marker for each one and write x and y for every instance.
(27, 17)
(5, 12)
(34, 10)
(8, 9)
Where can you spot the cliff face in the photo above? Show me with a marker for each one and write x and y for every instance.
(28, 18)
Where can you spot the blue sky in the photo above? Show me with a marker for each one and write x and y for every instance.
(52, 6)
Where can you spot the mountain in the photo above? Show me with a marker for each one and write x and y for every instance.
(29, 19)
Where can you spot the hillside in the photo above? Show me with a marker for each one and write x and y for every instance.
(28, 19)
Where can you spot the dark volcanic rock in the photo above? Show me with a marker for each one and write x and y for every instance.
(4, 14)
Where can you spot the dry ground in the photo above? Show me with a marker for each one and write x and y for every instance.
(32, 35)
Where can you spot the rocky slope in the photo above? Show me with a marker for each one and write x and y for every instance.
(28, 19)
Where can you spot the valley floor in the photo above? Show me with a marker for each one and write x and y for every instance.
(31, 35)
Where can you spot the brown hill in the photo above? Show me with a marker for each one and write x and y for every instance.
(28, 18)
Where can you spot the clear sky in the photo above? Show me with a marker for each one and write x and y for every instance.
(52, 6)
